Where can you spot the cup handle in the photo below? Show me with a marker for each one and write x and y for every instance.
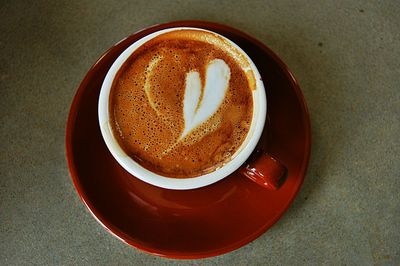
(265, 170)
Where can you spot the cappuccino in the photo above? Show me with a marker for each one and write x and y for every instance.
(181, 105)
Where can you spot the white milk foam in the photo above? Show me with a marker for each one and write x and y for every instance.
(197, 109)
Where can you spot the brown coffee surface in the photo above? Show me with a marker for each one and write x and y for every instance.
(147, 99)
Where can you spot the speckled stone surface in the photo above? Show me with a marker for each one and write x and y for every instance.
(345, 55)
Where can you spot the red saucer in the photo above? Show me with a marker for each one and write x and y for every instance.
(196, 223)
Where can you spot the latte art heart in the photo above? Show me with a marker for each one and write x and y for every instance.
(182, 104)
(200, 102)
(197, 109)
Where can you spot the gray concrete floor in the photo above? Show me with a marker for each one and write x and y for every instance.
(345, 55)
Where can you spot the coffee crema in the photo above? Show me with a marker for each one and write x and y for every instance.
(181, 105)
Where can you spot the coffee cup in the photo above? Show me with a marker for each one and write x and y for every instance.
(183, 108)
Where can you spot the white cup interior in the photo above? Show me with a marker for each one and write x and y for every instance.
(134, 168)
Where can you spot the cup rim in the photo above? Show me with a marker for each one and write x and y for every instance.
(138, 171)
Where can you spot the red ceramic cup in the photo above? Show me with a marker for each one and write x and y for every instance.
(261, 168)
